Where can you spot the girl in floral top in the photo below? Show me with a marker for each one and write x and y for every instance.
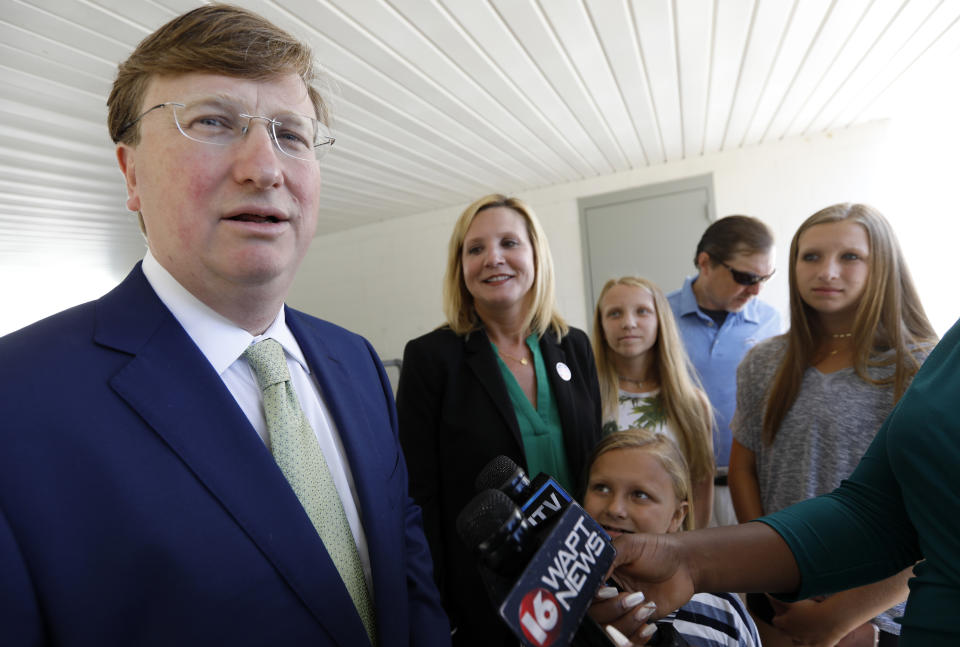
(646, 380)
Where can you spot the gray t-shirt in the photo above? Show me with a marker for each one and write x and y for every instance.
(821, 439)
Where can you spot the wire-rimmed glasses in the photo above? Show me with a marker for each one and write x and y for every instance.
(221, 123)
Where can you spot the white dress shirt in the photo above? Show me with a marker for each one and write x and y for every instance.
(222, 342)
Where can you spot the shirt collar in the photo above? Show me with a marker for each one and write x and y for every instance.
(688, 300)
(749, 312)
(689, 305)
(220, 340)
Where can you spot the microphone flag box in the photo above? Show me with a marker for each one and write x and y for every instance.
(547, 500)
(548, 601)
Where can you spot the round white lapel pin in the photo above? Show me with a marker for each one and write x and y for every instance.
(563, 371)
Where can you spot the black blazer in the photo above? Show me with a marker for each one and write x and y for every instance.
(455, 416)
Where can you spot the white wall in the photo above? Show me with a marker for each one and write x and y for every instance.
(384, 281)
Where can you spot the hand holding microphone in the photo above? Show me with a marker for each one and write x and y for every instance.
(542, 566)
(626, 613)
(657, 565)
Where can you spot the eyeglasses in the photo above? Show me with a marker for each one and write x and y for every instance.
(744, 278)
(217, 122)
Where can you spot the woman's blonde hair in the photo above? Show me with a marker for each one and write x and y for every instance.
(661, 447)
(889, 317)
(685, 403)
(458, 305)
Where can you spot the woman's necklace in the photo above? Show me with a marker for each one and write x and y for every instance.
(839, 335)
(639, 383)
(523, 360)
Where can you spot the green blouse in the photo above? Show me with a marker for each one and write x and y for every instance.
(540, 428)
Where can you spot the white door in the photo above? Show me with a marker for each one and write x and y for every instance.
(650, 231)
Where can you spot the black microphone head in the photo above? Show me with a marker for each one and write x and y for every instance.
(493, 526)
(483, 517)
(503, 474)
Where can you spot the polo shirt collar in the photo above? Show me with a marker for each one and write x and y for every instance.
(688, 303)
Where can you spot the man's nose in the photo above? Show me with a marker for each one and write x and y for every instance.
(258, 160)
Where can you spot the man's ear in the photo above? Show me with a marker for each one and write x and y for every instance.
(703, 261)
(126, 158)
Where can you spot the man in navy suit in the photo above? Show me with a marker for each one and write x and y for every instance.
(139, 500)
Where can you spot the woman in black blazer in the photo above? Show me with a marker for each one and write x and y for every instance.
(504, 376)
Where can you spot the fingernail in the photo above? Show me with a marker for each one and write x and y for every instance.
(607, 592)
(645, 612)
(648, 631)
(616, 636)
(633, 599)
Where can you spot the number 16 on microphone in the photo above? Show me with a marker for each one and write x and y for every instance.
(540, 617)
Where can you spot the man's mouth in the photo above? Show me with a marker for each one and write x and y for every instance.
(254, 217)
(619, 531)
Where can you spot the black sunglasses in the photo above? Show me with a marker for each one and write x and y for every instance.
(745, 278)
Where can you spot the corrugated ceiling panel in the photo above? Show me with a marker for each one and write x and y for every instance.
(438, 102)
(729, 38)
(653, 20)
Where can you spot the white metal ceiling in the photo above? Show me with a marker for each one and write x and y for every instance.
(440, 101)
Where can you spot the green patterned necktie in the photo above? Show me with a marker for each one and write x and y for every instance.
(297, 452)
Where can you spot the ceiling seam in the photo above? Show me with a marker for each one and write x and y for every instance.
(623, 99)
(856, 67)
(906, 67)
(766, 80)
(743, 61)
(799, 71)
(575, 73)
(506, 79)
(646, 78)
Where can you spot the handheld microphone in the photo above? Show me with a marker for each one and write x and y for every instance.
(541, 578)
(497, 532)
(539, 500)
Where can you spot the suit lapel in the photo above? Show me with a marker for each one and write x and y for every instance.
(555, 359)
(352, 401)
(483, 362)
(215, 441)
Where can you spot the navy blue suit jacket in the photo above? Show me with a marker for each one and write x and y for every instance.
(138, 506)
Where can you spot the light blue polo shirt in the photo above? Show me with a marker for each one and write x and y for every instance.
(716, 352)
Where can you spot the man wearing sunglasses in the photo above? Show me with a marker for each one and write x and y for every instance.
(720, 320)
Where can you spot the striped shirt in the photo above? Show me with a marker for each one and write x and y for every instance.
(714, 620)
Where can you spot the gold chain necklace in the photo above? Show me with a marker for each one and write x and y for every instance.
(523, 360)
(839, 335)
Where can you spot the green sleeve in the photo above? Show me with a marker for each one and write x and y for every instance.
(857, 534)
